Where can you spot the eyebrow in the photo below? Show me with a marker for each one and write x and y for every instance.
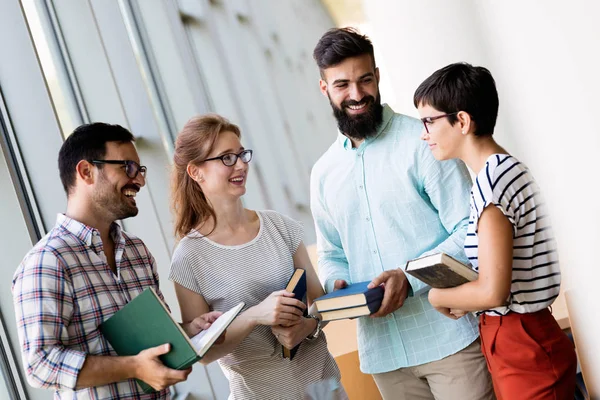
(348, 80)
(230, 151)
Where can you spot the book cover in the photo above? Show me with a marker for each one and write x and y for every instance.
(356, 294)
(296, 285)
(145, 322)
(352, 312)
(440, 271)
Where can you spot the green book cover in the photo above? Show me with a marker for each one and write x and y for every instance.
(143, 323)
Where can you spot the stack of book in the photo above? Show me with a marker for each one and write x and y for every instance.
(353, 301)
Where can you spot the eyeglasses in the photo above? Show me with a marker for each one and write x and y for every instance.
(230, 159)
(429, 120)
(131, 167)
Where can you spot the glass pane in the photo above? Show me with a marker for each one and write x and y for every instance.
(57, 78)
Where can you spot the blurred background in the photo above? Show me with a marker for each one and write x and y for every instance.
(150, 65)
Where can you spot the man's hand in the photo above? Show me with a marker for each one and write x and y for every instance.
(149, 369)
(202, 323)
(339, 284)
(290, 336)
(395, 291)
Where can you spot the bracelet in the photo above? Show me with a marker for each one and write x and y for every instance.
(314, 334)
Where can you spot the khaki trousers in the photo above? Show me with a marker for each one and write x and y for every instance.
(461, 376)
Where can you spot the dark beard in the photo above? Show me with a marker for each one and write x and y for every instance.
(359, 126)
(109, 201)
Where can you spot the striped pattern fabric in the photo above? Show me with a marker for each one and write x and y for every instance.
(507, 184)
(63, 290)
(226, 275)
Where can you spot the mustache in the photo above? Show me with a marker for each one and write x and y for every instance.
(132, 187)
(367, 99)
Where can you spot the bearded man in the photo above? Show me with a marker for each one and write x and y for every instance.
(379, 198)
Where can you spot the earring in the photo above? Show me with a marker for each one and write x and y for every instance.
(201, 179)
(463, 132)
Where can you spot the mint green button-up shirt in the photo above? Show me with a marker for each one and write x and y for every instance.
(376, 207)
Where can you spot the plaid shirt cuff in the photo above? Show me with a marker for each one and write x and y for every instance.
(71, 366)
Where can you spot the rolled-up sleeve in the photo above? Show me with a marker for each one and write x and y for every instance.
(447, 185)
(332, 261)
(43, 301)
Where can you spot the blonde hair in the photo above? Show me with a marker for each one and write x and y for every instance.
(196, 140)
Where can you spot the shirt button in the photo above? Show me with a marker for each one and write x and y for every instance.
(368, 219)
(374, 251)
(360, 186)
(360, 154)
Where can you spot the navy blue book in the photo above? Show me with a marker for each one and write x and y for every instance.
(353, 295)
(352, 312)
(296, 285)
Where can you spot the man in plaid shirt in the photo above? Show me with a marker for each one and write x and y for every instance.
(83, 271)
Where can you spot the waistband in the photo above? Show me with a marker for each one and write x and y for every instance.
(513, 317)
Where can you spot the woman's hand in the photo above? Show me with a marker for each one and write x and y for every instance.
(458, 313)
(279, 308)
(291, 336)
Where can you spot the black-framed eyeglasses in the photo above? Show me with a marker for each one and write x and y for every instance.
(429, 120)
(230, 159)
(132, 169)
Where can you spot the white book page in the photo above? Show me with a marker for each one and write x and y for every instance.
(203, 340)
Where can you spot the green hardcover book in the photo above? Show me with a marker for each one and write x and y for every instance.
(145, 322)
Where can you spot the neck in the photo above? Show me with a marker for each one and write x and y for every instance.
(355, 142)
(477, 150)
(231, 215)
(83, 212)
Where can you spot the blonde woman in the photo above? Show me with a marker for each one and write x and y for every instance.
(228, 253)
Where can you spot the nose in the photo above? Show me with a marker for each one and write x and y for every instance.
(424, 134)
(356, 93)
(239, 164)
(140, 180)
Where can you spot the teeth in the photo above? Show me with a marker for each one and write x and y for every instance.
(357, 107)
(130, 193)
(236, 179)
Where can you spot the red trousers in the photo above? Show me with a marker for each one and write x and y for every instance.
(529, 356)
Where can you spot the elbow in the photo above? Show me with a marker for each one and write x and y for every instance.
(496, 298)
(33, 375)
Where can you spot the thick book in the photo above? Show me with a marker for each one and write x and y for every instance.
(352, 312)
(441, 271)
(296, 285)
(353, 295)
(145, 322)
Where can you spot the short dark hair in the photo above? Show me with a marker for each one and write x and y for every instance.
(338, 44)
(87, 142)
(462, 87)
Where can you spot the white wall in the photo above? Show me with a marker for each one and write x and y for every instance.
(544, 57)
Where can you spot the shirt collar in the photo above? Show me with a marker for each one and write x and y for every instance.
(346, 144)
(88, 235)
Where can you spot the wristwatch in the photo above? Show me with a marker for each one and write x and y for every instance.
(317, 331)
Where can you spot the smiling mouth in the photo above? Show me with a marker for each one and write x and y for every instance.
(129, 193)
(237, 179)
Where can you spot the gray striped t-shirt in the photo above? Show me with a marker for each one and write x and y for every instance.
(226, 275)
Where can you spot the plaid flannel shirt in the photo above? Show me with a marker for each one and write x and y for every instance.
(63, 290)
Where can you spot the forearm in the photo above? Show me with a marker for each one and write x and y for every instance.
(452, 245)
(472, 296)
(239, 329)
(102, 370)
(313, 311)
(331, 270)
